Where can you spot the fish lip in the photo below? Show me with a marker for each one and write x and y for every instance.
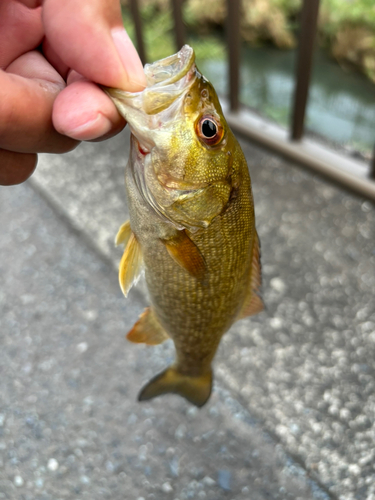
(167, 71)
(171, 69)
(160, 102)
(166, 79)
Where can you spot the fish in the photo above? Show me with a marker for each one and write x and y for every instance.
(192, 225)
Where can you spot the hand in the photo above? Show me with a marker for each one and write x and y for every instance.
(51, 52)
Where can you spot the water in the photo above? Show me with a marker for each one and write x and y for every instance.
(341, 105)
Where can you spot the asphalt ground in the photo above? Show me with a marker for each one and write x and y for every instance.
(293, 409)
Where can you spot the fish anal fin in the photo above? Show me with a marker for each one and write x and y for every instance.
(197, 390)
(147, 329)
(130, 265)
(186, 253)
(253, 303)
(123, 234)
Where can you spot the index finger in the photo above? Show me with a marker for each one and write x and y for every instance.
(88, 36)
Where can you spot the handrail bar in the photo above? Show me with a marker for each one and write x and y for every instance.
(346, 171)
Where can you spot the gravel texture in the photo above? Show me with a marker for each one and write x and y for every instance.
(293, 410)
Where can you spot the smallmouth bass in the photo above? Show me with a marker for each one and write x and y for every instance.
(192, 225)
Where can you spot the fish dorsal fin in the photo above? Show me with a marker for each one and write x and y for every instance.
(123, 234)
(147, 329)
(186, 253)
(253, 303)
(130, 265)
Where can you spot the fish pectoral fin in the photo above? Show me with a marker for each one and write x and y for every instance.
(197, 390)
(147, 329)
(123, 234)
(130, 265)
(199, 208)
(253, 303)
(187, 255)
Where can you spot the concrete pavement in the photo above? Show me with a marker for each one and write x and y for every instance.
(293, 411)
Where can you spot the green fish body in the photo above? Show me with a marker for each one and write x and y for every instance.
(192, 224)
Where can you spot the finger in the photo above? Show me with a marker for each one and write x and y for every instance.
(32, 4)
(88, 37)
(21, 29)
(54, 59)
(27, 93)
(84, 112)
(16, 167)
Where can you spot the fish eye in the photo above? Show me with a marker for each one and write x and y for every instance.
(209, 130)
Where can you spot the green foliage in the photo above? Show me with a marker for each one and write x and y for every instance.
(159, 36)
(290, 7)
(339, 12)
(346, 28)
(157, 31)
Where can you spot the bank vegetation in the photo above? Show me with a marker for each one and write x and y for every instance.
(346, 28)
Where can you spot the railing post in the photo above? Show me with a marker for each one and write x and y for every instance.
(308, 25)
(138, 30)
(179, 27)
(234, 46)
(372, 166)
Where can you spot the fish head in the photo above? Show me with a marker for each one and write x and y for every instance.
(181, 145)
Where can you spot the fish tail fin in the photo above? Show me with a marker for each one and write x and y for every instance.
(197, 390)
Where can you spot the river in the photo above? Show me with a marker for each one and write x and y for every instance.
(341, 106)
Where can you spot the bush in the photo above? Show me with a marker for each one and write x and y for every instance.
(346, 27)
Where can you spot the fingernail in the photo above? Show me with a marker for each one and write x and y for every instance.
(92, 129)
(136, 79)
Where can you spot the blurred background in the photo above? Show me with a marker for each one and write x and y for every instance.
(341, 106)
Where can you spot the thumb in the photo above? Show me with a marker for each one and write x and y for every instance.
(88, 36)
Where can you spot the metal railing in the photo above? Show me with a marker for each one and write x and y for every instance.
(293, 144)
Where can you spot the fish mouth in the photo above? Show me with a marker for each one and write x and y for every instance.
(166, 79)
(160, 102)
(170, 70)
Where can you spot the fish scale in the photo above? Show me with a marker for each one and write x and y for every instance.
(191, 220)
